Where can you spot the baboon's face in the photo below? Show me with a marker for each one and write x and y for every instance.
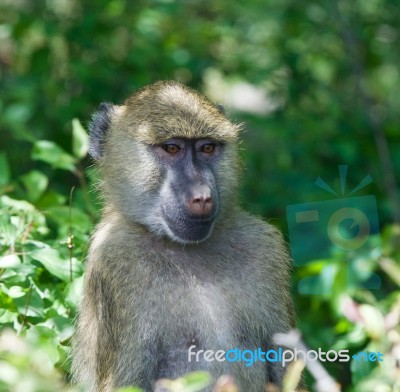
(168, 159)
(188, 195)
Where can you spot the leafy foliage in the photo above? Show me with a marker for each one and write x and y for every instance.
(326, 80)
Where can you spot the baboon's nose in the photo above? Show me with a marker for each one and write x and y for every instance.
(200, 205)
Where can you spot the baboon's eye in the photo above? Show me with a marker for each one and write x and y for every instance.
(171, 148)
(207, 148)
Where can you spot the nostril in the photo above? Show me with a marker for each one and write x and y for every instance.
(200, 205)
(202, 200)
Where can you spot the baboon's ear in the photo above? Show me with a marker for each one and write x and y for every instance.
(221, 108)
(98, 129)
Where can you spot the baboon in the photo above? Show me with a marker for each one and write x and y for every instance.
(175, 262)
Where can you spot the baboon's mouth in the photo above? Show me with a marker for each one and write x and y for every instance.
(190, 229)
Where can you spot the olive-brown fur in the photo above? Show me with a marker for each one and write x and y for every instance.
(147, 297)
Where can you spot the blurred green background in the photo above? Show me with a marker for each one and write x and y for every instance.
(317, 86)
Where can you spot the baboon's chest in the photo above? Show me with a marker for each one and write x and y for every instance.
(197, 314)
(194, 303)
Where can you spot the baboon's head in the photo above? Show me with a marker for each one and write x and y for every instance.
(168, 160)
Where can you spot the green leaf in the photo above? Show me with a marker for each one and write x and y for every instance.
(30, 304)
(196, 381)
(19, 205)
(4, 170)
(374, 322)
(35, 183)
(191, 382)
(74, 291)
(80, 139)
(6, 316)
(51, 198)
(16, 292)
(361, 369)
(391, 268)
(57, 323)
(9, 261)
(51, 260)
(49, 152)
(65, 215)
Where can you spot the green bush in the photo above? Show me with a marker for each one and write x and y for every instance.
(329, 77)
